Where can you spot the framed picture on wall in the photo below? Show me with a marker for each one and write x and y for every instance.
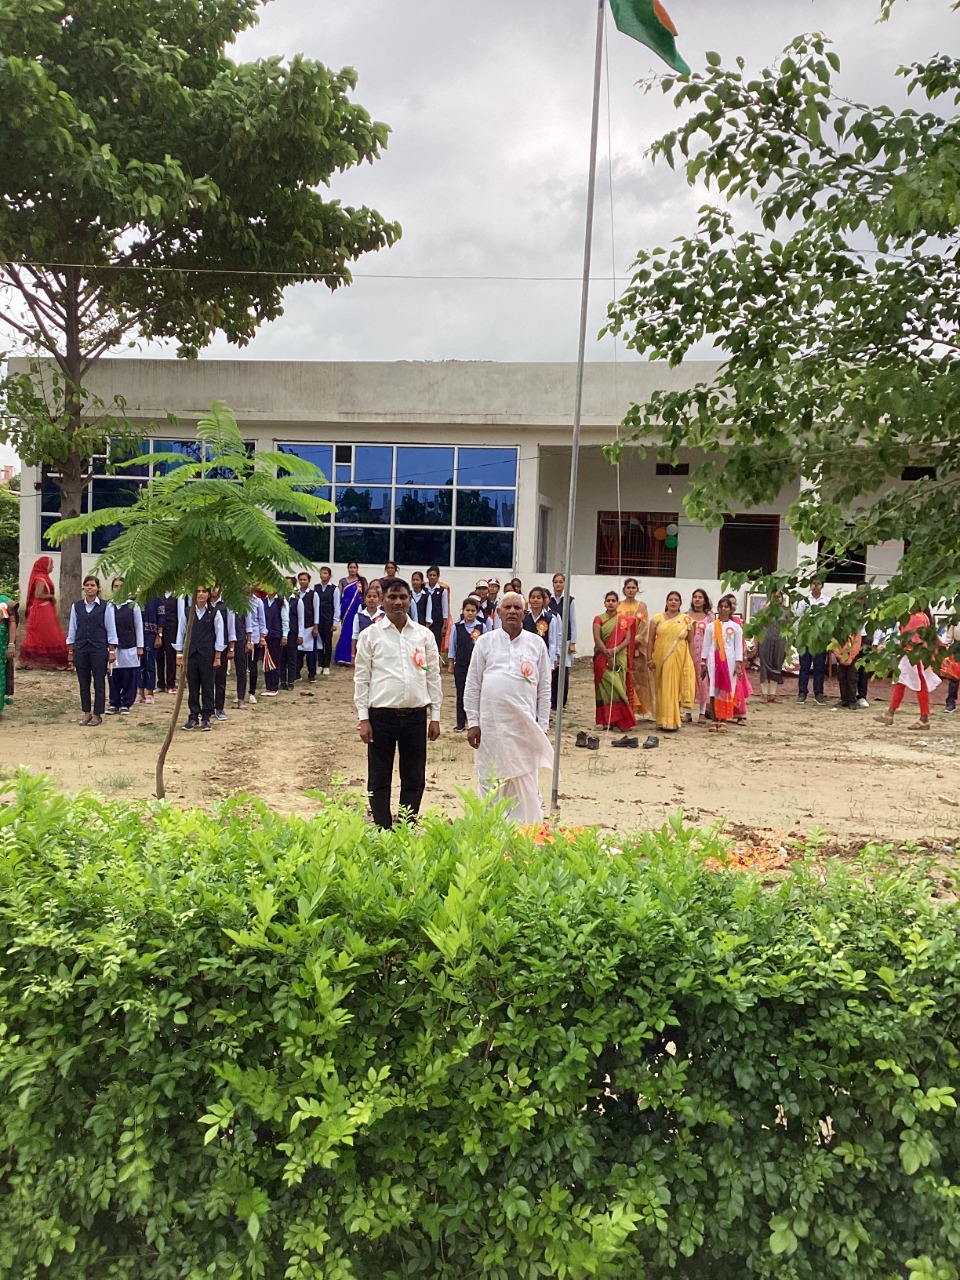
(756, 602)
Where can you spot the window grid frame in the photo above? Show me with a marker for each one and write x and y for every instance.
(393, 526)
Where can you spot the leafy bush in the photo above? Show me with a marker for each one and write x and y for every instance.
(239, 1045)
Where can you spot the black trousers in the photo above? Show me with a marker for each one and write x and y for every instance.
(254, 662)
(200, 673)
(287, 667)
(167, 660)
(396, 731)
(220, 682)
(817, 663)
(847, 678)
(311, 657)
(123, 686)
(91, 667)
(555, 685)
(460, 680)
(240, 660)
(326, 637)
(863, 675)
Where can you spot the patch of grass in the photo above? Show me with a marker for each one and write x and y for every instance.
(45, 712)
(116, 782)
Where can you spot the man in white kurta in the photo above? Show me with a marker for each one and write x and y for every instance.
(507, 703)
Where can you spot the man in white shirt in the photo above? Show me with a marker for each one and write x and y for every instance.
(397, 693)
(507, 701)
(817, 662)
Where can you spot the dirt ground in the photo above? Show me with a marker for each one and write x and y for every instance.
(790, 771)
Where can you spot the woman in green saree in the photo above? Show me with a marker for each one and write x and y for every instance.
(613, 636)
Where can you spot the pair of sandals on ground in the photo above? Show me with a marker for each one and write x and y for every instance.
(592, 743)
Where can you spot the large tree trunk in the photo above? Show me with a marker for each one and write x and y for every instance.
(72, 481)
(161, 790)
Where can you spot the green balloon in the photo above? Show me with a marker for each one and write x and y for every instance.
(670, 540)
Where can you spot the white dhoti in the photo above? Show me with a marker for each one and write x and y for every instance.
(522, 794)
(508, 696)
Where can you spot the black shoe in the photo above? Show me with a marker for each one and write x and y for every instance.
(461, 728)
(191, 724)
(801, 697)
(651, 742)
(204, 726)
(819, 699)
(312, 680)
(625, 741)
(593, 744)
(581, 739)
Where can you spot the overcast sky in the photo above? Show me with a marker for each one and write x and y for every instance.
(489, 103)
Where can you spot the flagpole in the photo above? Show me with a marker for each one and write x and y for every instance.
(577, 407)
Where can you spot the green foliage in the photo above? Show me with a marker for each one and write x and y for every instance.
(207, 521)
(240, 1045)
(9, 541)
(151, 187)
(834, 311)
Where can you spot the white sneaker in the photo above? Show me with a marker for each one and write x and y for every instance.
(251, 699)
(863, 704)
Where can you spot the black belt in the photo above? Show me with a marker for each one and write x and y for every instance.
(398, 711)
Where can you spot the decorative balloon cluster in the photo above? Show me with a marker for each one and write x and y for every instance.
(667, 534)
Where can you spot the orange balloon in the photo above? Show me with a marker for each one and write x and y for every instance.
(660, 533)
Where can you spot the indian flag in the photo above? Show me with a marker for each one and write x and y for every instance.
(648, 22)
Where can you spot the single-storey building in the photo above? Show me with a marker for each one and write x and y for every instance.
(462, 464)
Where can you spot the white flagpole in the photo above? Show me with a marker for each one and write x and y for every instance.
(577, 406)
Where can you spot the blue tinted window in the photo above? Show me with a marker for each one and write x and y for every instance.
(309, 540)
(121, 454)
(478, 549)
(190, 451)
(487, 468)
(101, 538)
(343, 475)
(486, 507)
(370, 546)
(45, 522)
(420, 464)
(50, 497)
(114, 491)
(366, 505)
(423, 506)
(321, 455)
(421, 547)
(373, 464)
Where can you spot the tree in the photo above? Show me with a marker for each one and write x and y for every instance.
(9, 539)
(206, 522)
(834, 310)
(150, 187)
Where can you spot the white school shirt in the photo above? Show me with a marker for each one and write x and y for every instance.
(809, 602)
(127, 658)
(356, 620)
(397, 667)
(218, 635)
(572, 637)
(432, 593)
(108, 621)
(553, 633)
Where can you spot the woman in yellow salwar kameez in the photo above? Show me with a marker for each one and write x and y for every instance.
(670, 661)
(640, 683)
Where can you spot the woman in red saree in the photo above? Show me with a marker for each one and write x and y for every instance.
(613, 638)
(44, 644)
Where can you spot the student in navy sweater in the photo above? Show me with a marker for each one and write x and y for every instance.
(328, 594)
(125, 670)
(152, 646)
(91, 646)
(462, 639)
(207, 642)
(276, 630)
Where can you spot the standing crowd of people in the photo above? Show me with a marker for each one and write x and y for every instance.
(506, 654)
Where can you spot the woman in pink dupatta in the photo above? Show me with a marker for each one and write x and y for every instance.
(722, 662)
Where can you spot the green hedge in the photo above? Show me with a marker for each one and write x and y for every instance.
(239, 1045)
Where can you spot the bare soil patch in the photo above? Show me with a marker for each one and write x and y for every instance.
(791, 771)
